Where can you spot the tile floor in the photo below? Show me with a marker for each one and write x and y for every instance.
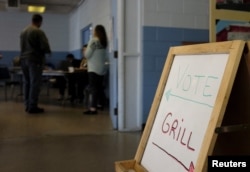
(60, 140)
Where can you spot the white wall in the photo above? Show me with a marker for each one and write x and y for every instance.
(177, 13)
(90, 12)
(12, 23)
(56, 27)
(63, 31)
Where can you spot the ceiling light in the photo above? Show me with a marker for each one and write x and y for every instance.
(36, 9)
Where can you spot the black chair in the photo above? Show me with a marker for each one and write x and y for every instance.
(7, 80)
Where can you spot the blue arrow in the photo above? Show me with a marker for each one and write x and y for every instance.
(169, 93)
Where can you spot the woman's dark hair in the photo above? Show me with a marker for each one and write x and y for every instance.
(101, 34)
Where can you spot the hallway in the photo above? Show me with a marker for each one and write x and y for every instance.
(62, 139)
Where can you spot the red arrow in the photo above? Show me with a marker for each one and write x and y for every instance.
(191, 167)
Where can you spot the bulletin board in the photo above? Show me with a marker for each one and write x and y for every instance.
(189, 104)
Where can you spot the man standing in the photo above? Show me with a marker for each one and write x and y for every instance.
(34, 45)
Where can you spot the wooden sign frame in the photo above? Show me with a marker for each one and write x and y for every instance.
(235, 51)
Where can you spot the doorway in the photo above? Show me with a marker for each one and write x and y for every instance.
(86, 34)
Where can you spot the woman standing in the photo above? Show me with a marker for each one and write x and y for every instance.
(96, 55)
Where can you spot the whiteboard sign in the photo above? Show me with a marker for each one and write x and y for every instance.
(184, 112)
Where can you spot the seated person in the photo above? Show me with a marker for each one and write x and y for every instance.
(83, 64)
(16, 61)
(82, 77)
(74, 89)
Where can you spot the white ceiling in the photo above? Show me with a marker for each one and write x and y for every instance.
(52, 6)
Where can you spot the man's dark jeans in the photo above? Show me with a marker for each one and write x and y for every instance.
(32, 77)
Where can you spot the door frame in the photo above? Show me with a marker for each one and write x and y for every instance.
(125, 116)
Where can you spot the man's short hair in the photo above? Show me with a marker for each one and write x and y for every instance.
(70, 56)
(37, 18)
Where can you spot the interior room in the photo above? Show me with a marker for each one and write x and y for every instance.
(142, 37)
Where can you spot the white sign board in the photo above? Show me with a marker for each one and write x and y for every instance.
(184, 112)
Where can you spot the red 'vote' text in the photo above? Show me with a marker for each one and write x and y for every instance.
(173, 128)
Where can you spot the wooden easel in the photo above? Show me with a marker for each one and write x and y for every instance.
(228, 129)
(234, 135)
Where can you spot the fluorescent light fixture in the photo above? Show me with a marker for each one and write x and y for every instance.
(36, 9)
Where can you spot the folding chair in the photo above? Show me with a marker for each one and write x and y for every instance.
(6, 79)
